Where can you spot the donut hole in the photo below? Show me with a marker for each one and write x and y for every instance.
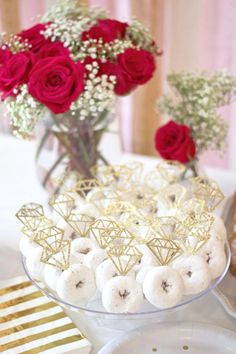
(85, 250)
(208, 259)
(79, 285)
(124, 294)
(73, 236)
(165, 286)
(172, 198)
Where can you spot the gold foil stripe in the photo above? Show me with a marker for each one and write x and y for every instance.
(15, 287)
(27, 312)
(36, 336)
(21, 299)
(21, 327)
(54, 344)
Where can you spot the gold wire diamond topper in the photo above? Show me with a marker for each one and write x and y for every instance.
(106, 231)
(198, 234)
(124, 257)
(137, 170)
(31, 215)
(60, 259)
(171, 171)
(140, 196)
(173, 195)
(118, 208)
(102, 197)
(103, 230)
(50, 237)
(63, 204)
(190, 209)
(80, 223)
(155, 180)
(44, 223)
(143, 228)
(164, 250)
(115, 174)
(170, 228)
(207, 190)
(84, 186)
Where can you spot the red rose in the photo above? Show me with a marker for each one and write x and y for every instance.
(53, 49)
(14, 72)
(107, 29)
(56, 82)
(123, 84)
(34, 37)
(137, 64)
(174, 142)
(5, 54)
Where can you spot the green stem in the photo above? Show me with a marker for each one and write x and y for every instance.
(102, 158)
(54, 166)
(41, 144)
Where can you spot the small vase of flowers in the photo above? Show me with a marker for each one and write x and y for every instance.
(196, 125)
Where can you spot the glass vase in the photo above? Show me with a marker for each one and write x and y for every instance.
(67, 144)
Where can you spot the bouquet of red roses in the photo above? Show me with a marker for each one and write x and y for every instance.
(72, 65)
(75, 60)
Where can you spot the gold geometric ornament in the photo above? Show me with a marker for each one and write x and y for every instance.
(173, 195)
(63, 204)
(80, 223)
(84, 186)
(198, 234)
(164, 250)
(171, 171)
(207, 190)
(104, 230)
(60, 259)
(31, 215)
(124, 257)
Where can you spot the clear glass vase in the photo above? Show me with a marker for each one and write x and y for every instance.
(68, 144)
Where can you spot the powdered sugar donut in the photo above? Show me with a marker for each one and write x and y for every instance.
(215, 257)
(194, 272)
(104, 272)
(27, 245)
(148, 258)
(141, 275)
(163, 287)
(82, 246)
(94, 258)
(76, 285)
(88, 209)
(34, 264)
(69, 233)
(51, 273)
(218, 229)
(122, 294)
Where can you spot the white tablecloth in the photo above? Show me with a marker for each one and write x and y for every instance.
(19, 185)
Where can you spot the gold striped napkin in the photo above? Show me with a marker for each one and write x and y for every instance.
(30, 323)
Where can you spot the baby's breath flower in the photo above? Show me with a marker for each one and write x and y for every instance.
(24, 112)
(197, 99)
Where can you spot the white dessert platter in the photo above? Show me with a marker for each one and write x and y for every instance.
(133, 249)
(147, 314)
(171, 337)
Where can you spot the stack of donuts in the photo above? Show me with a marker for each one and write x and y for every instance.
(134, 239)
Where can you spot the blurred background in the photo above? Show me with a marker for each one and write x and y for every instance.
(196, 34)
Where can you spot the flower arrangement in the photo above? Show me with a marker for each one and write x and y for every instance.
(196, 124)
(71, 66)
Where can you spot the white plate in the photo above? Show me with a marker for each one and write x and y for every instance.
(174, 338)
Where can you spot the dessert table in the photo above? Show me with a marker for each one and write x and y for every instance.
(19, 185)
